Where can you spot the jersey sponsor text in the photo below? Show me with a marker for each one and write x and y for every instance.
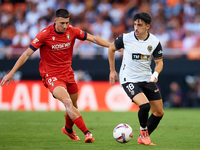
(35, 40)
(61, 46)
(140, 56)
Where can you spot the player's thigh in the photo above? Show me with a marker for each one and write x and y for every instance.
(151, 91)
(140, 99)
(60, 93)
(157, 107)
(134, 91)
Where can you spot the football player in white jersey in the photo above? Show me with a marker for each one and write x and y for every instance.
(136, 77)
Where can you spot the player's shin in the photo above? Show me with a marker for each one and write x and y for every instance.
(152, 123)
(81, 124)
(143, 114)
(76, 117)
(68, 124)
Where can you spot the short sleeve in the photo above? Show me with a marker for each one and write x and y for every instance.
(80, 34)
(157, 54)
(38, 40)
(119, 42)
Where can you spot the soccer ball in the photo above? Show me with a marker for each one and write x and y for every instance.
(123, 133)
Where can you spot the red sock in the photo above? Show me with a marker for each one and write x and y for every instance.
(68, 122)
(80, 124)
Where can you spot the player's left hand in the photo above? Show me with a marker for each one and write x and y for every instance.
(112, 77)
(154, 77)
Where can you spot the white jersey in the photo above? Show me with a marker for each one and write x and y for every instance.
(137, 56)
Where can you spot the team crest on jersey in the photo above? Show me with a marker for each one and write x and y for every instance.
(68, 36)
(132, 92)
(149, 48)
(53, 38)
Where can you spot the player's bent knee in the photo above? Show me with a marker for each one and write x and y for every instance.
(159, 113)
(145, 107)
(67, 103)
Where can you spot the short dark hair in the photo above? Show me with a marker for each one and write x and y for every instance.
(143, 16)
(62, 13)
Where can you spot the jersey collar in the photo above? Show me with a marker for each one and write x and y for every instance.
(144, 39)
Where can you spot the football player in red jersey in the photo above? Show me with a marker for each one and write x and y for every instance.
(56, 48)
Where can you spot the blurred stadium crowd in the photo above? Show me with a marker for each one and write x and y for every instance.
(176, 23)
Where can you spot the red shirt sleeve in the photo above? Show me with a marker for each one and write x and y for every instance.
(80, 34)
(38, 40)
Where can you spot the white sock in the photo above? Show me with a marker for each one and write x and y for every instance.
(141, 128)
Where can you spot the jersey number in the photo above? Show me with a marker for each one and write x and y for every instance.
(130, 87)
(52, 80)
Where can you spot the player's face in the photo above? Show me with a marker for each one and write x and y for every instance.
(141, 29)
(61, 24)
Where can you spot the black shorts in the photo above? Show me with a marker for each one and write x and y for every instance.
(149, 89)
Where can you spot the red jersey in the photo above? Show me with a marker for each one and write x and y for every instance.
(56, 49)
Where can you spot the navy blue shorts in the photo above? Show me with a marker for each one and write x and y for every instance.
(148, 88)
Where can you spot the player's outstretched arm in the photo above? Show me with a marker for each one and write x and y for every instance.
(22, 59)
(111, 58)
(97, 40)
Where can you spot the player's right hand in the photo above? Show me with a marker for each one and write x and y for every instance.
(112, 77)
(7, 78)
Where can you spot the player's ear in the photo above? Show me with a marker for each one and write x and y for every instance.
(148, 26)
(55, 20)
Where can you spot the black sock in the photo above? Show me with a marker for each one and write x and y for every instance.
(152, 123)
(143, 114)
(87, 132)
(68, 130)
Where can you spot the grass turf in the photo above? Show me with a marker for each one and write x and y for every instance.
(26, 130)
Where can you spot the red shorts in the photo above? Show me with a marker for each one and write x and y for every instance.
(68, 82)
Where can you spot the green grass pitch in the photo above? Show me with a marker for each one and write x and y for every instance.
(25, 130)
